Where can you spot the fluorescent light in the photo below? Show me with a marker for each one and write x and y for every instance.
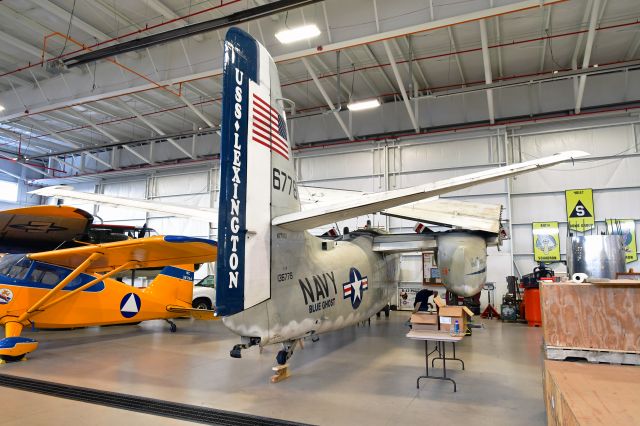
(368, 104)
(1, 108)
(297, 34)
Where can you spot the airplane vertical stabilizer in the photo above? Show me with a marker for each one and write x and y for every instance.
(173, 284)
(257, 173)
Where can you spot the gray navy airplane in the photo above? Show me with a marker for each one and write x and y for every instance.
(277, 283)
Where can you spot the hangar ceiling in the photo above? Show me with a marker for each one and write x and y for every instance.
(63, 122)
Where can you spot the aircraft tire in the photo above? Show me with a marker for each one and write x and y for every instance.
(9, 358)
(281, 357)
(201, 303)
(173, 328)
(386, 311)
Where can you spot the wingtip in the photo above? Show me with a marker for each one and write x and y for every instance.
(48, 190)
(575, 154)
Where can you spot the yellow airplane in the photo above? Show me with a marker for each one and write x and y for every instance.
(72, 287)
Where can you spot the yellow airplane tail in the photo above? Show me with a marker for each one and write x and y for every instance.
(173, 284)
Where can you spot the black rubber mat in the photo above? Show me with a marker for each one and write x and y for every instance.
(156, 407)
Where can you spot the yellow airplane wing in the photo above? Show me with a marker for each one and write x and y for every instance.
(42, 227)
(146, 252)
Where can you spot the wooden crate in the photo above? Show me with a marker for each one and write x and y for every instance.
(589, 394)
(586, 316)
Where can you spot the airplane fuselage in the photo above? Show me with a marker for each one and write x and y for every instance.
(318, 286)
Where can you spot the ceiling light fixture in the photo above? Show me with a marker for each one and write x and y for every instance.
(1, 108)
(296, 34)
(362, 105)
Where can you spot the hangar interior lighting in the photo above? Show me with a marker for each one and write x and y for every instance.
(362, 105)
(299, 33)
(1, 108)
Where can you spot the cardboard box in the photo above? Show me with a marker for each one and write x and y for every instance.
(421, 321)
(449, 314)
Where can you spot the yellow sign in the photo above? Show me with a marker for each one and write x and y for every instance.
(626, 228)
(546, 241)
(580, 213)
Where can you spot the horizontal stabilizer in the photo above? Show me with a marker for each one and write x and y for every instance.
(145, 252)
(199, 314)
(461, 214)
(372, 203)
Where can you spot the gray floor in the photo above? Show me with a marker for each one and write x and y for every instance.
(360, 375)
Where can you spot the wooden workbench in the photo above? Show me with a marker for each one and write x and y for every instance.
(578, 393)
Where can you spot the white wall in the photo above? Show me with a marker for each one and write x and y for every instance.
(613, 172)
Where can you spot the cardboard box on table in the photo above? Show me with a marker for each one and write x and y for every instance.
(421, 321)
(449, 314)
(427, 320)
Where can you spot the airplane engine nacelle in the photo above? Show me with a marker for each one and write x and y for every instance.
(462, 261)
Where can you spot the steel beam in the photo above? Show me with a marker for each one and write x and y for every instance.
(587, 53)
(13, 175)
(487, 69)
(63, 140)
(156, 129)
(75, 21)
(545, 31)
(403, 92)
(313, 75)
(452, 39)
(19, 44)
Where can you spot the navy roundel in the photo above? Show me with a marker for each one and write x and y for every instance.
(130, 305)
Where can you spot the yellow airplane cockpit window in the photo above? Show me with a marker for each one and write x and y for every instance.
(15, 266)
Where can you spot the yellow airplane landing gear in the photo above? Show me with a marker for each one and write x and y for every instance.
(13, 347)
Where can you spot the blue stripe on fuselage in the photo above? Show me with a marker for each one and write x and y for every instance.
(240, 65)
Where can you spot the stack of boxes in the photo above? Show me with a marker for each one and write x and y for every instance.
(443, 320)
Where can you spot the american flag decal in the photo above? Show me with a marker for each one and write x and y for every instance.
(269, 128)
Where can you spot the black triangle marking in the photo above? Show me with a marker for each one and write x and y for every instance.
(580, 211)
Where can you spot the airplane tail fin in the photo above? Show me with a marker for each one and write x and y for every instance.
(257, 176)
(173, 284)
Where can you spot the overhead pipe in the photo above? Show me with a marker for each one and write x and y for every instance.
(120, 37)
(236, 18)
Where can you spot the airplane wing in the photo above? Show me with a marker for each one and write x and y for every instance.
(148, 252)
(41, 227)
(67, 192)
(463, 214)
(375, 202)
(438, 211)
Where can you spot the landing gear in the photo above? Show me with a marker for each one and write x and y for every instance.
(247, 342)
(172, 326)
(287, 351)
(281, 358)
(9, 358)
(386, 311)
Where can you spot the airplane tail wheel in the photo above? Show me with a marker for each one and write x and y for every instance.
(386, 311)
(281, 357)
(172, 326)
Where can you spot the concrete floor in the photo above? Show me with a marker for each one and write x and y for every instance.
(360, 375)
